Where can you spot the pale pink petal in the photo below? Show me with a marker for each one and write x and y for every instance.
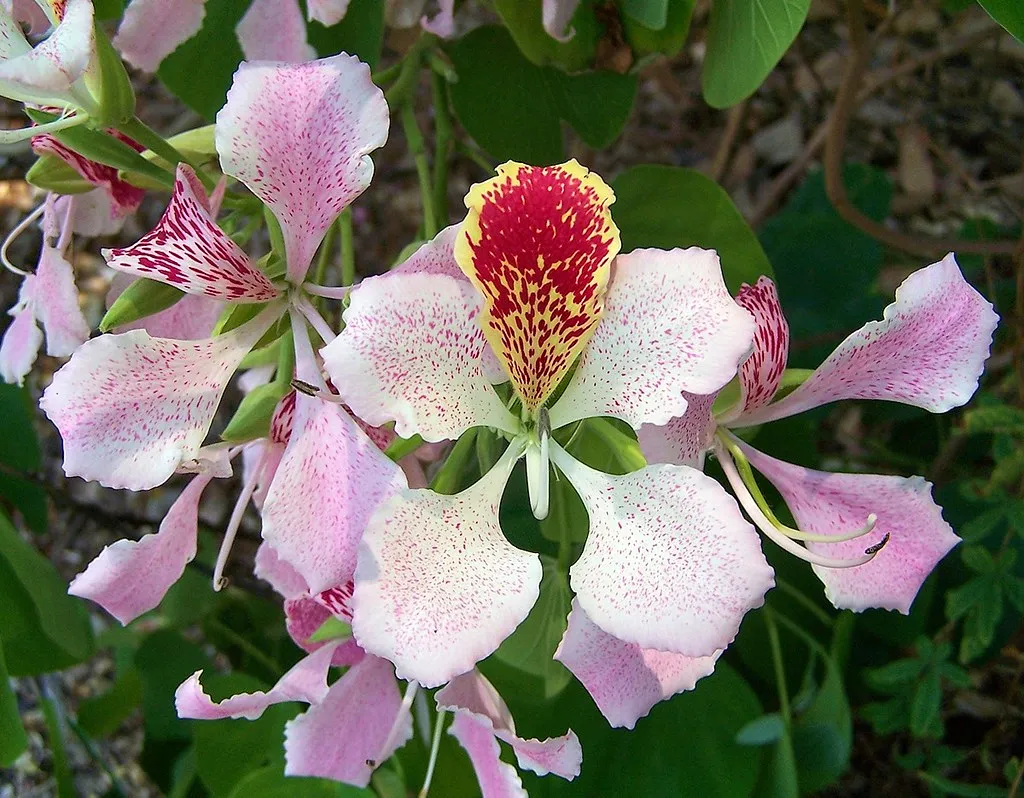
(829, 504)
(761, 373)
(190, 318)
(684, 440)
(472, 694)
(556, 15)
(669, 563)
(56, 304)
(438, 587)
(189, 251)
(29, 14)
(12, 39)
(269, 567)
(330, 481)
(153, 29)
(669, 326)
(343, 736)
(624, 680)
(928, 350)
(130, 408)
(497, 779)
(20, 346)
(443, 23)
(299, 136)
(131, 577)
(91, 214)
(274, 30)
(46, 75)
(306, 681)
(327, 12)
(123, 197)
(411, 352)
(214, 459)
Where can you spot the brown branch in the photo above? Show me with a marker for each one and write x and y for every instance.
(732, 129)
(835, 143)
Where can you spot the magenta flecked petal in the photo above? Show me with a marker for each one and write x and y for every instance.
(827, 504)
(497, 779)
(131, 408)
(306, 681)
(124, 197)
(669, 563)
(928, 350)
(153, 29)
(56, 304)
(329, 482)
(624, 680)
(300, 137)
(761, 373)
(274, 30)
(189, 251)
(131, 577)
(342, 735)
(269, 567)
(20, 346)
(669, 326)
(683, 440)
(303, 616)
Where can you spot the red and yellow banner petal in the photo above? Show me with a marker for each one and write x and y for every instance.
(538, 243)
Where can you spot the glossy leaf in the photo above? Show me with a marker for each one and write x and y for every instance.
(523, 20)
(652, 14)
(50, 173)
(270, 782)
(746, 39)
(20, 454)
(13, 739)
(360, 32)
(252, 418)
(667, 40)
(1008, 13)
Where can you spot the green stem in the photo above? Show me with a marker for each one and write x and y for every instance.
(409, 72)
(151, 140)
(796, 594)
(348, 250)
(446, 480)
(54, 718)
(116, 785)
(780, 669)
(272, 666)
(324, 256)
(443, 139)
(418, 150)
(400, 447)
(388, 74)
(285, 360)
(474, 155)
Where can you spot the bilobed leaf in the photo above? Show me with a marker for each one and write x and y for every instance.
(12, 734)
(1008, 13)
(746, 39)
(668, 206)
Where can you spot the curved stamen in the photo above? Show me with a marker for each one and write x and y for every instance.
(403, 710)
(306, 366)
(25, 133)
(13, 235)
(219, 582)
(761, 521)
(323, 329)
(434, 748)
(328, 291)
(317, 393)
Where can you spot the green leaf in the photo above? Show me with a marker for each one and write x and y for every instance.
(252, 419)
(1008, 13)
(228, 750)
(523, 20)
(779, 778)
(765, 730)
(903, 671)
(42, 628)
(668, 40)
(999, 418)
(531, 647)
(978, 559)
(50, 173)
(270, 782)
(110, 84)
(332, 629)
(823, 733)
(360, 32)
(142, 298)
(668, 206)
(165, 659)
(981, 526)
(746, 39)
(13, 739)
(651, 14)
(523, 121)
(20, 454)
(926, 705)
(956, 789)
(102, 715)
(108, 9)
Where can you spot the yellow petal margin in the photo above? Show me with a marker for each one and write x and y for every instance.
(538, 243)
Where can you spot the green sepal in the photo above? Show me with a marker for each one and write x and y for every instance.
(252, 419)
(331, 629)
(667, 40)
(50, 173)
(238, 314)
(103, 148)
(142, 298)
(522, 18)
(109, 83)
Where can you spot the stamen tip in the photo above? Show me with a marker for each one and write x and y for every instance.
(878, 546)
(304, 387)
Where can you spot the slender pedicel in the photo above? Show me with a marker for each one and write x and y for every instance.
(17, 231)
(403, 710)
(237, 513)
(435, 746)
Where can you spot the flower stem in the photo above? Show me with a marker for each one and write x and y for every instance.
(797, 595)
(780, 669)
(446, 480)
(443, 140)
(151, 140)
(435, 746)
(400, 447)
(348, 251)
(418, 150)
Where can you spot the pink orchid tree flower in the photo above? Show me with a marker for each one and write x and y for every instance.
(53, 72)
(151, 30)
(928, 351)
(47, 298)
(438, 586)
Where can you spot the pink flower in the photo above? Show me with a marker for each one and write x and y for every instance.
(438, 586)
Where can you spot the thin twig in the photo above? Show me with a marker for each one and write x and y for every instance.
(733, 122)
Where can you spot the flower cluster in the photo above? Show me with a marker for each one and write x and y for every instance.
(521, 324)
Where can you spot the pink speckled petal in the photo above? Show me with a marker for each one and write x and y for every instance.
(761, 373)
(330, 481)
(438, 587)
(270, 567)
(669, 326)
(130, 408)
(56, 303)
(303, 616)
(835, 503)
(473, 695)
(46, 75)
(190, 318)
(131, 577)
(153, 29)
(441, 24)
(274, 30)
(336, 738)
(684, 440)
(497, 779)
(327, 12)
(299, 136)
(411, 352)
(20, 345)
(556, 15)
(91, 214)
(306, 681)
(29, 14)
(928, 350)
(188, 251)
(123, 196)
(669, 563)
(624, 680)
